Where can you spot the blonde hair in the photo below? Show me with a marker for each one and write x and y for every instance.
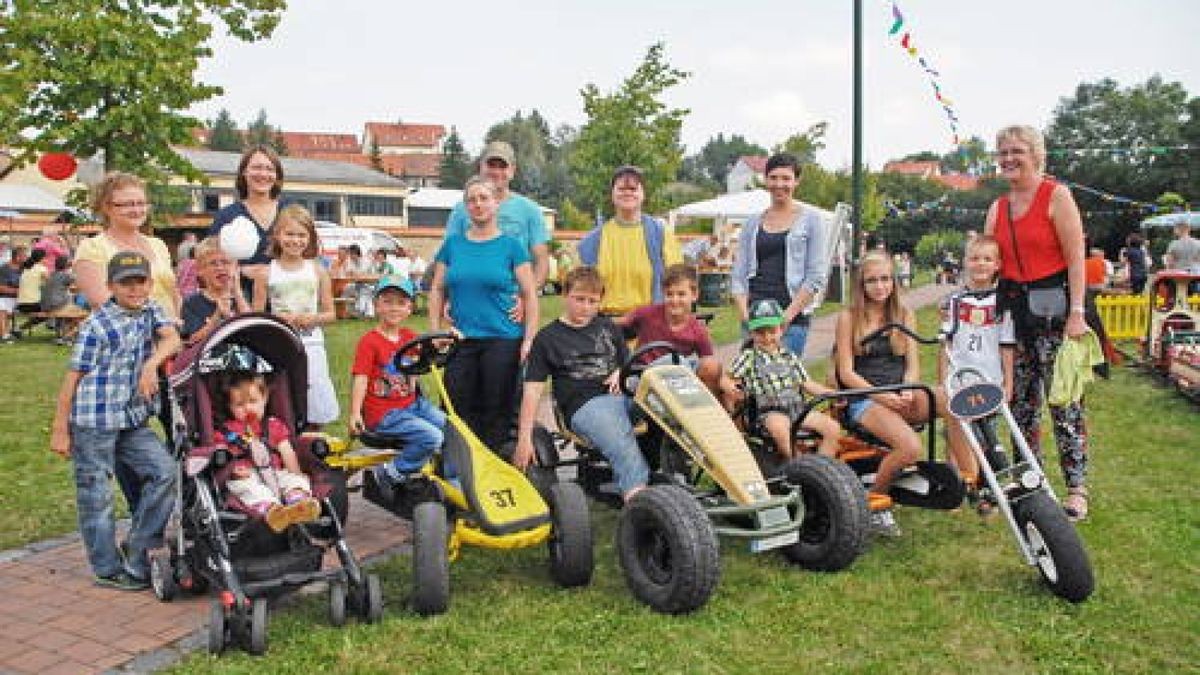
(206, 247)
(295, 213)
(477, 180)
(893, 310)
(1023, 133)
(113, 181)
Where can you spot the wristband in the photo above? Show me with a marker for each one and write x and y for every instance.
(1077, 309)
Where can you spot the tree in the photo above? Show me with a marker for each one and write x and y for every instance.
(530, 139)
(971, 157)
(806, 144)
(114, 77)
(455, 166)
(716, 158)
(630, 126)
(376, 157)
(223, 133)
(260, 132)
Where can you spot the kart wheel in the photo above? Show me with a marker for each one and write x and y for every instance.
(259, 613)
(834, 530)
(544, 448)
(431, 564)
(1060, 556)
(337, 603)
(162, 578)
(371, 608)
(571, 561)
(668, 550)
(217, 633)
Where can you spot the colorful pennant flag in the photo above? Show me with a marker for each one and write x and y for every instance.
(906, 42)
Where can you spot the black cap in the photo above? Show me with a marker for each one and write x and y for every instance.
(128, 264)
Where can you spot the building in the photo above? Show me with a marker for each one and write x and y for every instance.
(932, 170)
(747, 173)
(403, 139)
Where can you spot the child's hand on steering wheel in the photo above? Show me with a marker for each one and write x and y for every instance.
(523, 454)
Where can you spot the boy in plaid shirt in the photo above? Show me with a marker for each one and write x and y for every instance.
(777, 381)
(105, 401)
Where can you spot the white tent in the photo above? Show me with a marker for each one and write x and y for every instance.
(1192, 218)
(736, 207)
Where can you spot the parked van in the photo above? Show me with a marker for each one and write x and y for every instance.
(332, 237)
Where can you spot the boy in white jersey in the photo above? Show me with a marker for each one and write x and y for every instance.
(982, 338)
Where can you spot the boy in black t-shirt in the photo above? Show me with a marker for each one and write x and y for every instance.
(583, 354)
(217, 298)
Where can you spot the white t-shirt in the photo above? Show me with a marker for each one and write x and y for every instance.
(980, 331)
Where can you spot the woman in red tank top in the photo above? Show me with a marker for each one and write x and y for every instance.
(1041, 235)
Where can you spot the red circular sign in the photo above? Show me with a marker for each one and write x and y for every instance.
(57, 165)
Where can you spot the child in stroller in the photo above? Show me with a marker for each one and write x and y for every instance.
(264, 477)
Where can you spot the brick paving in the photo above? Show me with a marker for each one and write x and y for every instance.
(53, 620)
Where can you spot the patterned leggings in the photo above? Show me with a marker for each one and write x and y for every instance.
(1033, 369)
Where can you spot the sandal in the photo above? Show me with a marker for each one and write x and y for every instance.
(1076, 504)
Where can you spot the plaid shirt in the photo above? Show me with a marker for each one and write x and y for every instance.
(113, 346)
(772, 379)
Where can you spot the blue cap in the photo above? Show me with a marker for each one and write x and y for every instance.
(395, 281)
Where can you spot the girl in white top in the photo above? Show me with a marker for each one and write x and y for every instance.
(300, 294)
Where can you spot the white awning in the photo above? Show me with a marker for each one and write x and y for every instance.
(737, 205)
(1192, 218)
(29, 198)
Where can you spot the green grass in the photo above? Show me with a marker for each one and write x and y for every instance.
(949, 596)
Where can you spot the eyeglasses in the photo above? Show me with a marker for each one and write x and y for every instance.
(1011, 152)
(130, 205)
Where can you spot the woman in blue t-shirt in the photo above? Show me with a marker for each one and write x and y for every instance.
(478, 273)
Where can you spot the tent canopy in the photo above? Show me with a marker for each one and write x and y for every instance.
(1192, 218)
(735, 206)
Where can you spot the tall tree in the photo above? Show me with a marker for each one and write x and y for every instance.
(971, 156)
(806, 144)
(455, 167)
(631, 125)
(261, 132)
(530, 138)
(223, 133)
(114, 76)
(716, 158)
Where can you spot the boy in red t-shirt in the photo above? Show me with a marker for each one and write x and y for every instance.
(673, 321)
(382, 399)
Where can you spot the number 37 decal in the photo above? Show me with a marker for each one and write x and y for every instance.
(503, 498)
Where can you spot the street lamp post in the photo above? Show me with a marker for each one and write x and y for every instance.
(856, 151)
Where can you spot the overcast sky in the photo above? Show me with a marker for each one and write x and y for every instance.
(761, 69)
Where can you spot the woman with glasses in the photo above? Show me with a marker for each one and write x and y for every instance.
(1040, 233)
(120, 201)
(242, 228)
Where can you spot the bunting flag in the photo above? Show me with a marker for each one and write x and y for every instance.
(1117, 204)
(1121, 152)
(906, 42)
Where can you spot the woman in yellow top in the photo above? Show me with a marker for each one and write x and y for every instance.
(632, 249)
(120, 200)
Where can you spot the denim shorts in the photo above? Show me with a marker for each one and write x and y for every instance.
(856, 408)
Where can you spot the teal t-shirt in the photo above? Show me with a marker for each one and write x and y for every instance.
(481, 284)
(518, 216)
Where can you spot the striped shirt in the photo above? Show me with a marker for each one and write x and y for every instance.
(113, 346)
(773, 379)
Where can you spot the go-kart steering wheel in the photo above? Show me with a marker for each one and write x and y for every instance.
(638, 362)
(887, 328)
(420, 354)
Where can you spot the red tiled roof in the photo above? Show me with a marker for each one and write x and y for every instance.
(351, 157)
(414, 165)
(412, 135)
(925, 169)
(302, 143)
(756, 163)
(958, 181)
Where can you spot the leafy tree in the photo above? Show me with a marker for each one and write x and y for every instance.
(223, 133)
(455, 166)
(806, 144)
(971, 157)
(260, 132)
(716, 158)
(922, 156)
(114, 76)
(530, 138)
(932, 246)
(571, 218)
(630, 126)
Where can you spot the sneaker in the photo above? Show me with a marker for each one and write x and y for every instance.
(883, 524)
(123, 581)
(280, 517)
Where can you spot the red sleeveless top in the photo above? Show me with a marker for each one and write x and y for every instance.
(1040, 253)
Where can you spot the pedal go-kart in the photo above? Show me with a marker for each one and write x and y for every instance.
(1045, 537)
(706, 482)
(1171, 347)
(486, 503)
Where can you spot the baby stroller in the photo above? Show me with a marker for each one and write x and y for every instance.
(210, 542)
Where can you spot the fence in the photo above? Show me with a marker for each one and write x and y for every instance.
(1126, 317)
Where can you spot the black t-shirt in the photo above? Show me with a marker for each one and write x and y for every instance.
(10, 276)
(770, 277)
(195, 312)
(579, 360)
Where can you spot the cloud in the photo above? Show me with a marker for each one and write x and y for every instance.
(773, 62)
(777, 114)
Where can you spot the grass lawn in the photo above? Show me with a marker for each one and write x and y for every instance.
(949, 596)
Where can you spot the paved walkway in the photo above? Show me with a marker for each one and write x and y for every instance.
(53, 620)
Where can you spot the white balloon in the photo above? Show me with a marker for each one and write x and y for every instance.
(240, 238)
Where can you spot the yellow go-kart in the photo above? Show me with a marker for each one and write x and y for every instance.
(469, 495)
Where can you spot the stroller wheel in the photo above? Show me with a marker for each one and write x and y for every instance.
(371, 608)
(337, 602)
(217, 633)
(162, 578)
(258, 627)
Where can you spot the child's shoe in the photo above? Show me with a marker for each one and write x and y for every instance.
(122, 581)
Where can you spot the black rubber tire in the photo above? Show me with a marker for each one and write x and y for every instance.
(337, 603)
(259, 616)
(570, 544)
(162, 578)
(372, 605)
(836, 519)
(217, 633)
(668, 550)
(544, 449)
(431, 562)
(1062, 560)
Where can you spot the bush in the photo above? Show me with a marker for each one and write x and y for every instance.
(930, 248)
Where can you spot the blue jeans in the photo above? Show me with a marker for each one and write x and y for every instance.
(856, 408)
(420, 425)
(95, 454)
(604, 422)
(795, 337)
